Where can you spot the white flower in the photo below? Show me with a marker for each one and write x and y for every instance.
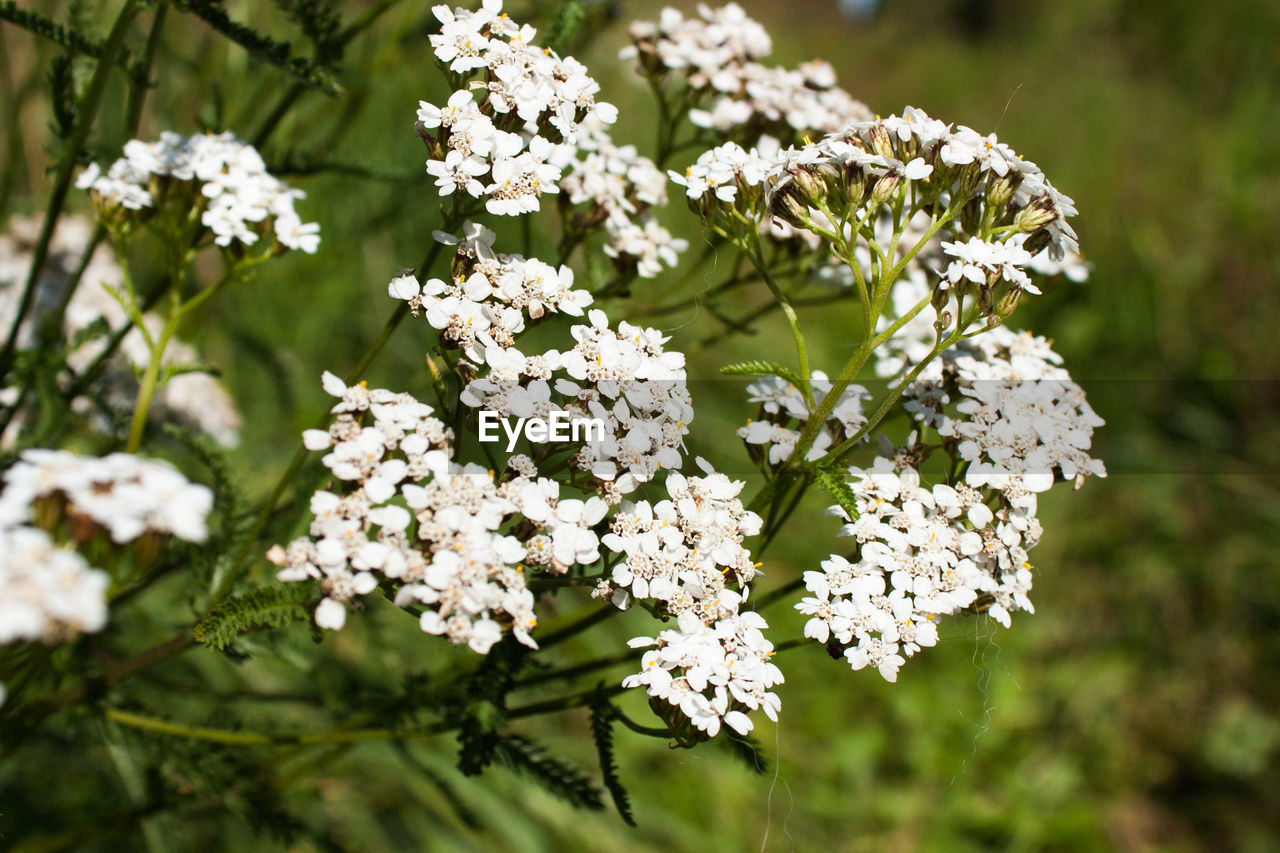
(47, 593)
(125, 494)
(229, 180)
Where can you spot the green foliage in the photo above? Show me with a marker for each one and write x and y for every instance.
(479, 705)
(62, 89)
(561, 778)
(261, 47)
(762, 368)
(835, 485)
(567, 27)
(602, 717)
(266, 607)
(74, 39)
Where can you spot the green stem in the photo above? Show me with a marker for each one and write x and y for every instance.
(151, 376)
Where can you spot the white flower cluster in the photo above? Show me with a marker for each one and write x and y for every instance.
(1018, 417)
(718, 54)
(622, 378)
(621, 187)
(125, 494)
(193, 397)
(47, 593)
(407, 514)
(874, 160)
(523, 130)
(239, 195)
(786, 413)
(921, 553)
(683, 553)
(979, 261)
(490, 296)
(711, 674)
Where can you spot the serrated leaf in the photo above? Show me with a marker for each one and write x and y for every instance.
(838, 487)
(558, 776)
(271, 606)
(763, 368)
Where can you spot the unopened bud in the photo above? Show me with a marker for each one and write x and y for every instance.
(1008, 303)
(1035, 216)
(1038, 242)
(886, 187)
(855, 186)
(971, 215)
(785, 205)
(968, 177)
(941, 296)
(880, 142)
(1000, 190)
(943, 322)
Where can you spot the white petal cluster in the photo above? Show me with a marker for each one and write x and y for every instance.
(785, 414)
(47, 593)
(406, 515)
(490, 297)
(718, 55)
(238, 197)
(622, 377)
(511, 145)
(125, 494)
(1003, 397)
(711, 674)
(983, 261)
(684, 551)
(883, 155)
(193, 398)
(1016, 435)
(621, 187)
(921, 553)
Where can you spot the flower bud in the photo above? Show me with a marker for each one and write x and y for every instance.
(971, 215)
(787, 206)
(1037, 242)
(968, 177)
(880, 142)
(1000, 189)
(1008, 303)
(885, 188)
(1035, 216)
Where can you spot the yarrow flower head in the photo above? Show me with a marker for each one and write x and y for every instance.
(47, 593)
(717, 54)
(490, 297)
(226, 179)
(511, 145)
(124, 494)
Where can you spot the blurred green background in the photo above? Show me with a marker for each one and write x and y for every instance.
(1136, 710)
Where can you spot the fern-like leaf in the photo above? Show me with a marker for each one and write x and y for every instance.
(602, 715)
(834, 484)
(69, 38)
(567, 26)
(763, 368)
(561, 778)
(261, 47)
(270, 607)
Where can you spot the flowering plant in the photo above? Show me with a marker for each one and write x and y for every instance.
(925, 235)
